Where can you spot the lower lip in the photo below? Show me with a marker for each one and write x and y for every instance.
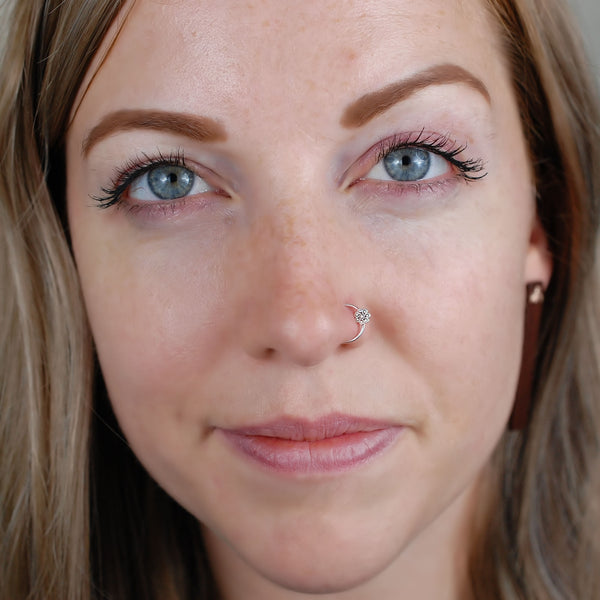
(329, 455)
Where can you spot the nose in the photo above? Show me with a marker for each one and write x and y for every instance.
(292, 305)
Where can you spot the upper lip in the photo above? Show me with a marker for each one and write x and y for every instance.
(298, 429)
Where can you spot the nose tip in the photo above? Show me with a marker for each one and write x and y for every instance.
(300, 324)
(305, 335)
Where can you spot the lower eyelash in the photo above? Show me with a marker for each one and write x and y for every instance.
(420, 187)
(133, 169)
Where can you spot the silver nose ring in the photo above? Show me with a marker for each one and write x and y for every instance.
(362, 316)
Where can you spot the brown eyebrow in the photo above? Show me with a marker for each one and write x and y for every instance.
(198, 128)
(372, 104)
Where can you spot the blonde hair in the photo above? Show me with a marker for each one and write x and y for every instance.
(44, 351)
(81, 518)
(540, 537)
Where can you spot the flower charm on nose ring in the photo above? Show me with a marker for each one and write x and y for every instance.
(362, 316)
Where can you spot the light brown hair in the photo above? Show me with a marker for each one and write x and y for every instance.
(539, 540)
(79, 516)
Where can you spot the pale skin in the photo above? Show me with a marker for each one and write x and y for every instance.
(227, 309)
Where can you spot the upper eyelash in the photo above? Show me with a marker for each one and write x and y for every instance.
(133, 169)
(470, 169)
(438, 144)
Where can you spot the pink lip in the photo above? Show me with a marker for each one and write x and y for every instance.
(333, 443)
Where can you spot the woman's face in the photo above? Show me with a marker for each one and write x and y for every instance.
(237, 173)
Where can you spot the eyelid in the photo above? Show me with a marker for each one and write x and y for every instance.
(139, 166)
(440, 144)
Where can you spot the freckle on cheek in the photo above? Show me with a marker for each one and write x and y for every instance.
(350, 56)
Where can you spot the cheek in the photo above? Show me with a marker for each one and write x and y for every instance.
(156, 314)
(471, 360)
(454, 303)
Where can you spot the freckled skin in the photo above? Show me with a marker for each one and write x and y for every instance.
(229, 310)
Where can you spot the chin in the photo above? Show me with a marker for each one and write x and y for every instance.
(327, 567)
(323, 577)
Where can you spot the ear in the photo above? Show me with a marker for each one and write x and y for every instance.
(538, 264)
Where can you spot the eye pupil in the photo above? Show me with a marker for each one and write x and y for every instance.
(170, 181)
(407, 164)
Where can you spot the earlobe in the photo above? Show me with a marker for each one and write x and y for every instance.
(539, 264)
(538, 270)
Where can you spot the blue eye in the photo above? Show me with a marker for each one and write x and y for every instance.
(409, 164)
(170, 182)
(167, 182)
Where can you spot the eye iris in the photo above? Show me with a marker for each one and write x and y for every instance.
(170, 182)
(407, 164)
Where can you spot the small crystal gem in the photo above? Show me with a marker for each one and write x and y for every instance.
(362, 316)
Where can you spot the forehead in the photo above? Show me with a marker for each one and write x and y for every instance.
(224, 54)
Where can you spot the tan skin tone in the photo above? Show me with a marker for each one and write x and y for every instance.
(227, 308)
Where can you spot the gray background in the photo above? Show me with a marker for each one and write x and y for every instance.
(588, 13)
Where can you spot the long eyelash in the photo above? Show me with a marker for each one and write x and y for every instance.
(133, 169)
(469, 169)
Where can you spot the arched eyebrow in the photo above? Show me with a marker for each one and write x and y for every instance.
(198, 128)
(370, 105)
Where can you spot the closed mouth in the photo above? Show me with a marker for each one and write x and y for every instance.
(332, 443)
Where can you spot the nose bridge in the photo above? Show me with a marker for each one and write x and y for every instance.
(294, 241)
(293, 304)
